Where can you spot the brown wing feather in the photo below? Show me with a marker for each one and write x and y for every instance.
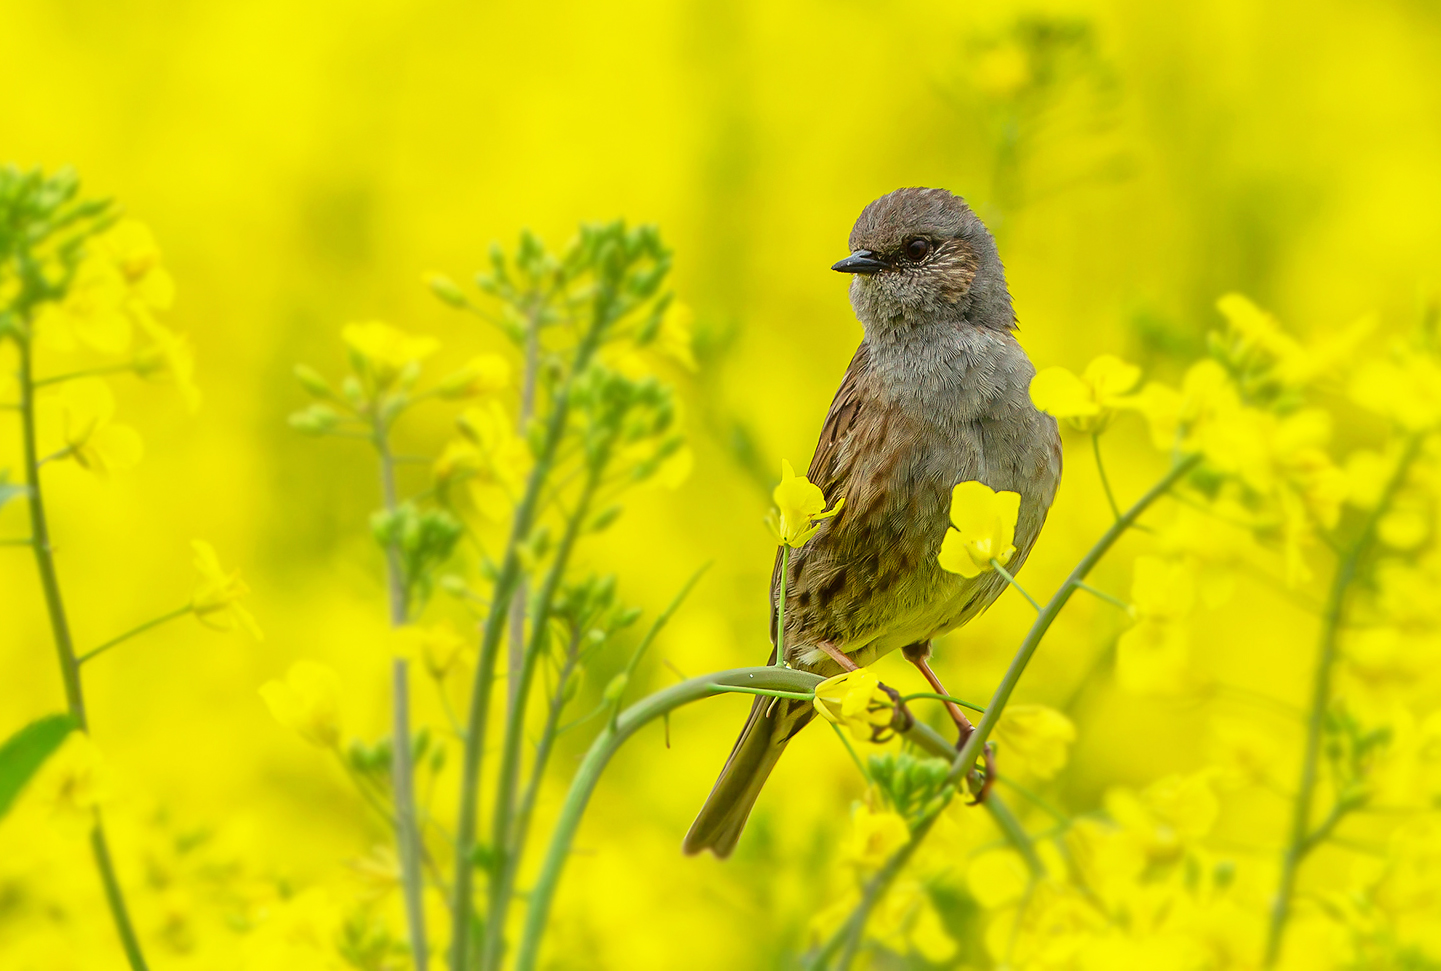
(825, 468)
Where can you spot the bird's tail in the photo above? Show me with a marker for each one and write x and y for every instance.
(772, 723)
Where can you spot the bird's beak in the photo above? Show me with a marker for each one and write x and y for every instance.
(861, 261)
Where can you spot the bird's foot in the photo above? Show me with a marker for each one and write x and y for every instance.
(988, 775)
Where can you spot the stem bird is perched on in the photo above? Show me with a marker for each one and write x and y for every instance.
(937, 394)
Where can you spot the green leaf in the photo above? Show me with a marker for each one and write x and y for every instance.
(23, 753)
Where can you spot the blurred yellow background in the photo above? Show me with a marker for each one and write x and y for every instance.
(303, 165)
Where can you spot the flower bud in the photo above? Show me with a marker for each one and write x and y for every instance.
(316, 420)
(446, 289)
(616, 688)
(312, 382)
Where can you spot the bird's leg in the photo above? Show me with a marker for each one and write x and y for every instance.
(917, 654)
(838, 656)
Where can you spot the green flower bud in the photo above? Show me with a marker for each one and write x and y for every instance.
(316, 420)
(616, 688)
(311, 380)
(446, 289)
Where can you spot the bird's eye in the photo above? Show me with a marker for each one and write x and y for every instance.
(917, 249)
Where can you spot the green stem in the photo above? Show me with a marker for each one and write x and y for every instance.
(505, 853)
(851, 750)
(65, 647)
(792, 695)
(148, 625)
(1103, 595)
(515, 656)
(17, 542)
(1300, 842)
(402, 769)
(495, 622)
(610, 739)
(781, 607)
(971, 750)
(87, 373)
(940, 697)
(1101, 468)
(996, 565)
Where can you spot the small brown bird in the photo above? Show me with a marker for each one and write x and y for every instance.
(938, 393)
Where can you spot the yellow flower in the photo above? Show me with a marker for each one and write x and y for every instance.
(1171, 815)
(120, 281)
(130, 248)
(307, 702)
(1152, 657)
(384, 351)
(215, 600)
(1292, 364)
(1086, 403)
(875, 837)
(676, 339)
(92, 312)
(485, 374)
(802, 507)
(855, 699)
(87, 406)
(1405, 387)
(985, 525)
(1174, 416)
(489, 458)
(1034, 740)
(169, 357)
(905, 920)
(437, 646)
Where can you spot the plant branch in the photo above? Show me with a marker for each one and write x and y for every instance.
(65, 648)
(148, 625)
(1300, 842)
(402, 769)
(606, 744)
(1101, 469)
(505, 586)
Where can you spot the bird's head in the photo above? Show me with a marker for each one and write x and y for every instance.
(920, 258)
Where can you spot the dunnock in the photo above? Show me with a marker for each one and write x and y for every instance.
(937, 393)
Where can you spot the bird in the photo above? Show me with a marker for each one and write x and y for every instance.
(937, 393)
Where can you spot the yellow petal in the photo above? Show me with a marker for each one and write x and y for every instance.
(1058, 392)
(955, 558)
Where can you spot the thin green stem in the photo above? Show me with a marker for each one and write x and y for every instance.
(792, 695)
(505, 586)
(781, 607)
(1333, 618)
(87, 373)
(17, 542)
(606, 744)
(65, 648)
(515, 656)
(996, 565)
(402, 769)
(548, 736)
(1101, 468)
(148, 625)
(505, 853)
(1103, 595)
(851, 750)
(940, 697)
(1043, 804)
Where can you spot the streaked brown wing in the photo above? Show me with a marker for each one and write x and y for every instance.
(826, 468)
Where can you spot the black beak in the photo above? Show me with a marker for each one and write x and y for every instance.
(861, 261)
